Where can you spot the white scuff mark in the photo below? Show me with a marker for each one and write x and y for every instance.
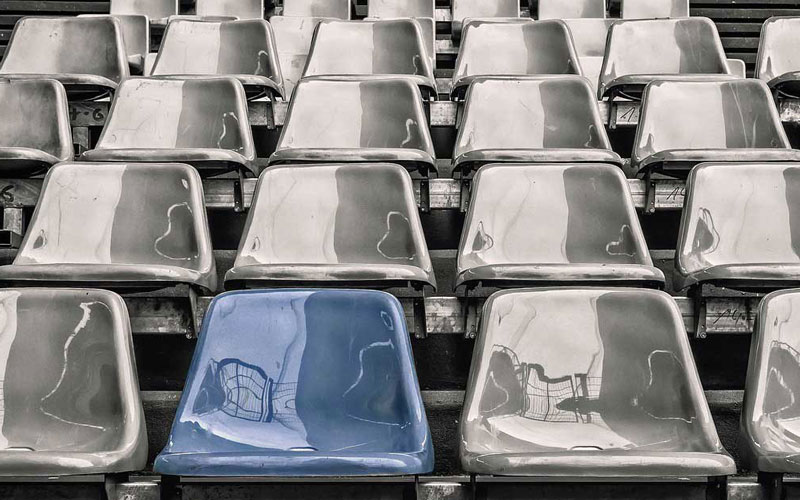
(169, 230)
(389, 231)
(409, 123)
(259, 68)
(387, 320)
(650, 384)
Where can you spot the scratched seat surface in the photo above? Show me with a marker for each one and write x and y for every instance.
(69, 393)
(463, 10)
(245, 50)
(361, 229)
(202, 122)
(372, 120)
(778, 62)
(239, 9)
(530, 120)
(653, 9)
(587, 383)
(372, 48)
(586, 227)
(136, 34)
(571, 9)
(339, 9)
(768, 429)
(293, 37)
(732, 120)
(739, 227)
(35, 133)
(639, 52)
(158, 11)
(514, 49)
(589, 37)
(301, 383)
(63, 48)
(119, 226)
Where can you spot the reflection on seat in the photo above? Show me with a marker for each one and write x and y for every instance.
(120, 226)
(339, 9)
(69, 396)
(589, 37)
(35, 132)
(572, 9)
(372, 48)
(301, 383)
(378, 119)
(528, 120)
(64, 48)
(158, 11)
(463, 10)
(740, 227)
(243, 49)
(769, 424)
(653, 9)
(333, 225)
(293, 37)
(587, 383)
(777, 62)
(732, 120)
(136, 34)
(639, 52)
(585, 226)
(202, 122)
(239, 9)
(514, 49)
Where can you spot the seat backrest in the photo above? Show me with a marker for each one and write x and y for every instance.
(37, 117)
(154, 9)
(135, 33)
(293, 36)
(339, 9)
(777, 51)
(68, 383)
(408, 8)
(652, 9)
(337, 375)
(740, 214)
(117, 213)
(589, 37)
(581, 214)
(571, 9)
(242, 9)
(150, 113)
(724, 115)
(67, 45)
(463, 9)
(570, 370)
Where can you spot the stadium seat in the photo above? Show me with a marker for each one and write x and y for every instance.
(589, 37)
(768, 432)
(686, 123)
(35, 133)
(652, 9)
(407, 8)
(525, 120)
(369, 48)
(293, 37)
(120, 226)
(464, 10)
(738, 227)
(514, 49)
(301, 383)
(136, 34)
(239, 9)
(333, 225)
(585, 226)
(571, 9)
(157, 11)
(243, 49)
(587, 383)
(638, 52)
(339, 9)
(777, 62)
(64, 49)
(69, 391)
(373, 120)
(202, 122)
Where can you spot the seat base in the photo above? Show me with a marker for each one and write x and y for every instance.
(25, 162)
(79, 87)
(410, 159)
(255, 86)
(208, 162)
(632, 86)
(468, 163)
(761, 277)
(679, 162)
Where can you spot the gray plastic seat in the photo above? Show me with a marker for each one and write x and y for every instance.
(38, 133)
(652, 9)
(571, 9)
(639, 52)
(119, 226)
(530, 120)
(464, 10)
(372, 120)
(202, 122)
(778, 63)
(391, 48)
(245, 50)
(136, 34)
(587, 383)
(333, 225)
(238, 9)
(69, 391)
(293, 37)
(157, 11)
(589, 37)
(553, 225)
(739, 227)
(514, 49)
(338, 9)
(732, 120)
(64, 49)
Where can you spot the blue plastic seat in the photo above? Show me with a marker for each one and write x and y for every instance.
(301, 383)
(571, 9)
(157, 11)
(68, 387)
(338, 9)
(652, 9)
(777, 63)
(588, 383)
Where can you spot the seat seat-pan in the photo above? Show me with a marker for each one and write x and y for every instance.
(683, 160)
(632, 86)
(412, 159)
(25, 161)
(76, 85)
(207, 161)
(255, 86)
(384, 276)
(460, 85)
(423, 82)
(744, 275)
(54, 463)
(472, 159)
(561, 274)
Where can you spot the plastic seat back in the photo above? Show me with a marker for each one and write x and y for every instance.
(466, 9)
(69, 391)
(136, 34)
(393, 8)
(571, 9)
(293, 37)
(154, 9)
(301, 383)
(653, 9)
(361, 227)
(339, 9)
(241, 9)
(776, 52)
(588, 383)
(589, 37)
